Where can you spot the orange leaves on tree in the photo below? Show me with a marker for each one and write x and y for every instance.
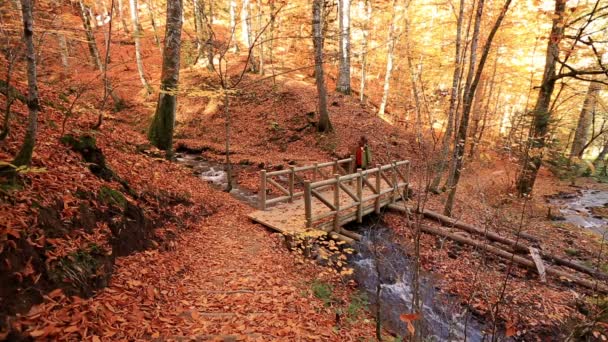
(408, 319)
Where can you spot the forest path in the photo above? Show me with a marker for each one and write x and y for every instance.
(227, 279)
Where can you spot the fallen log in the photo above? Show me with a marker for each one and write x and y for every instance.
(350, 234)
(516, 258)
(517, 246)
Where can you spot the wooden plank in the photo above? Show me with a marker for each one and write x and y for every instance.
(320, 197)
(279, 186)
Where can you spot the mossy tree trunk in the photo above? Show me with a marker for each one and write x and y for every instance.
(161, 129)
(24, 157)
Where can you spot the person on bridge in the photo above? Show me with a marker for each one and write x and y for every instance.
(363, 155)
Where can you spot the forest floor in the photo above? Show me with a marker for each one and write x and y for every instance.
(152, 252)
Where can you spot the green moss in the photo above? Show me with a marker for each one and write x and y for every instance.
(80, 271)
(573, 252)
(322, 291)
(111, 197)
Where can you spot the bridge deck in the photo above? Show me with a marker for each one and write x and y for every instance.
(289, 218)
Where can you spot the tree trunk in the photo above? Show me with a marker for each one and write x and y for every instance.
(233, 40)
(447, 135)
(121, 16)
(245, 34)
(201, 42)
(469, 94)
(207, 25)
(160, 133)
(343, 84)
(11, 58)
(540, 125)
(324, 123)
(602, 156)
(366, 19)
(136, 37)
(94, 51)
(389, 60)
(153, 24)
(24, 157)
(581, 135)
(413, 78)
(261, 39)
(88, 31)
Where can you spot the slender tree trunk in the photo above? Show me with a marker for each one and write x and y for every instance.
(149, 4)
(245, 35)
(121, 16)
(161, 130)
(94, 51)
(324, 122)
(414, 76)
(208, 29)
(367, 19)
(24, 157)
(454, 94)
(260, 28)
(63, 48)
(235, 44)
(201, 42)
(343, 84)
(584, 121)
(389, 60)
(540, 125)
(469, 94)
(136, 37)
(11, 58)
(253, 63)
(602, 156)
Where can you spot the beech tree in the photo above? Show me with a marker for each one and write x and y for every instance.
(473, 77)
(324, 122)
(160, 133)
(24, 157)
(343, 84)
(392, 39)
(133, 7)
(542, 112)
(581, 135)
(364, 48)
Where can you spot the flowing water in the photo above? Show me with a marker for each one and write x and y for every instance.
(443, 319)
(379, 260)
(578, 209)
(215, 174)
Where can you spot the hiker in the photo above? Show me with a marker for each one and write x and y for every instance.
(363, 156)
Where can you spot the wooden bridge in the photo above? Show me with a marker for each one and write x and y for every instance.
(328, 195)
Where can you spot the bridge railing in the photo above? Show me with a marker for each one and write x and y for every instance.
(290, 182)
(387, 183)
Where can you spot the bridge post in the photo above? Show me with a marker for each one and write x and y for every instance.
(378, 188)
(337, 201)
(335, 167)
(315, 172)
(262, 191)
(360, 195)
(292, 180)
(395, 182)
(308, 204)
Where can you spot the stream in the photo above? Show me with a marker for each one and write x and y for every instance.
(443, 319)
(578, 209)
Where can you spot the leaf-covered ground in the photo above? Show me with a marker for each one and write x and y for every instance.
(192, 265)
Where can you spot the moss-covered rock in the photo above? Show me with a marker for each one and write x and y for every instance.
(110, 196)
(82, 272)
(87, 147)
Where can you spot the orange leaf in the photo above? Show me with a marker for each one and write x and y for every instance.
(409, 317)
(511, 330)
